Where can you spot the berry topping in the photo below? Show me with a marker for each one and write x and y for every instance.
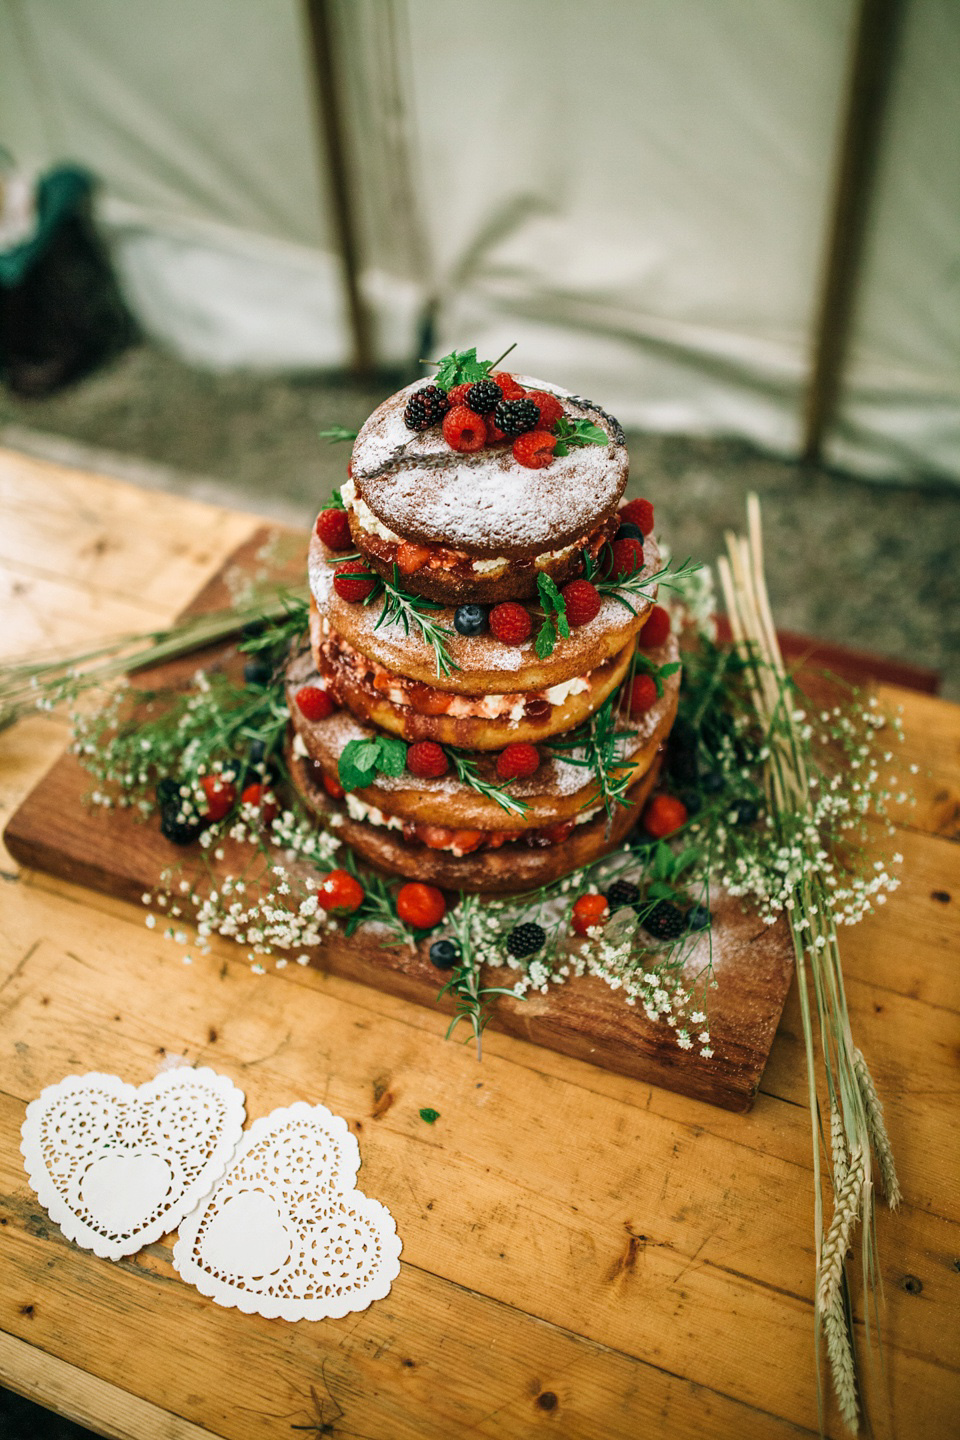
(622, 893)
(411, 558)
(623, 558)
(495, 435)
(179, 822)
(262, 799)
(582, 601)
(656, 629)
(427, 700)
(256, 672)
(463, 430)
(516, 417)
(549, 406)
(508, 386)
(535, 449)
(426, 408)
(483, 396)
(333, 787)
(664, 815)
(353, 581)
(444, 954)
(340, 893)
(643, 695)
(457, 395)
(664, 921)
(518, 761)
(220, 796)
(588, 911)
(629, 531)
(421, 906)
(744, 812)
(698, 918)
(510, 623)
(525, 940)
(470, 619)
(638, 512)
(314, 702)
(334, 529)
(426, 760)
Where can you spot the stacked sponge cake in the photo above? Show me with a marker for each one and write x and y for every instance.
(463, 674)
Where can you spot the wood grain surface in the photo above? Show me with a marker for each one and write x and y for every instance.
(585, 1254)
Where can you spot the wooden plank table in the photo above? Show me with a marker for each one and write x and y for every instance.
(584, 1255)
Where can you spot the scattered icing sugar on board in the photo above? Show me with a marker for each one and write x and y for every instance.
(485, 503)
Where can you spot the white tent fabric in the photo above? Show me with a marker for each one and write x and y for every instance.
(637, 194)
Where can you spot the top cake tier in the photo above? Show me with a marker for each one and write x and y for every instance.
(482, 524)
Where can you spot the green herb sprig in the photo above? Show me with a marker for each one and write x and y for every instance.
(406, 610)
(598, 746)
(555, 623)
(361, 760)
(473, 1004)
(573, 434)
(338, 434)
(636, 585)
(462, 367)
(468, 774)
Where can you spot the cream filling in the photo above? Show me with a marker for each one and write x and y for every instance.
(300, 750)
(360, 810)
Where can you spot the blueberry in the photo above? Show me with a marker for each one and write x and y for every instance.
(256, 751)
(745, 812)
(444, 954)
(713, 782)
(691, 800)
(698, 918)
(255, 672)
(629, 531)
(470, 619)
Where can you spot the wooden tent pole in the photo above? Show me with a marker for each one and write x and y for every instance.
(329, 118)
(868, 86)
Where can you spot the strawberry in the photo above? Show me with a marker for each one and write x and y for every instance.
(426, 760)
(261, 799)
(353, 581)
(656, 629)
(333, 528)
(556, 834)
(623, 558)
(220, 796)
(517, 762)
(549, 406)
(534, 449)
(332, 786)
(441, 837)
(643, 695)
(582, 601)
(510, 623)
(638, 512)
(340, 893)
(588, 911)
(411, 557)
(427, 700)
(421, 906)
(458, 394)
(463, 430)
(314, 703)
(663, 815)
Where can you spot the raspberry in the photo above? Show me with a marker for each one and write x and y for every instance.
(516, 417)
(261, 799)
(664, 921)
(510, 623)
(426, 408)
(525, 940)
(588, 911)
(582, 601)
(220, 796)
(314, 703)
(535, 449)
(340, 893)
(353, 581)
(495, 435)
(624, 558)
(333, 528)
(638, 512)
(643, 695)
(508, 386)
(656, 629)
(332, 786)
(663, 815)
(549, 406)
(421, 906)
(426, 760)
(458, 395)
(517, 762)
(483, 396)
(463, 430)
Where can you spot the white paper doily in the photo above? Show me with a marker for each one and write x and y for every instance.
(116, 1165)
(285, 1234)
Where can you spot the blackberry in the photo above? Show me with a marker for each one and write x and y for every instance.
(470, 619)
(425, 408)
(621, 893)
(664, 921)
(256, 672)
(698, 918)
(516, 417)
(444, 954)
(525, 940)
(629, 531)
(745, 812)
(180, 831)
(483, 396)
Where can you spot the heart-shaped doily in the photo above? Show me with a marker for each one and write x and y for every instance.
(116, 1165)
(285, 1234)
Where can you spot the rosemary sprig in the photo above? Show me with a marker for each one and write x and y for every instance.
(473, 1006)
(379, 905)
(598, 746)
(468, 774)
(405, 610)
(338, 433)
(637, 585)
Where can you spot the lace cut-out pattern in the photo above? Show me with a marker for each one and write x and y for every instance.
(116, 1165)
(286, 1234)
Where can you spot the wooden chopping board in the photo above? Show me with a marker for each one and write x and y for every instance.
(112, 851)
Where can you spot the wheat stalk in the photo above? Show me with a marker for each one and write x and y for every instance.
(879, 1138)
(836, 1332)
(846, 1212)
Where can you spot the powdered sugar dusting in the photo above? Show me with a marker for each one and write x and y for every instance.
(485, 503)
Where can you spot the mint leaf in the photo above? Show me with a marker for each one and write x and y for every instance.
(337, 433)
(429, 1115)
(459, 368)
(336, 501)
(545, 639)
(555, 622)
(660, 891)
(358, 762)
(392, 759)
(662, 861)
(575, 433)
